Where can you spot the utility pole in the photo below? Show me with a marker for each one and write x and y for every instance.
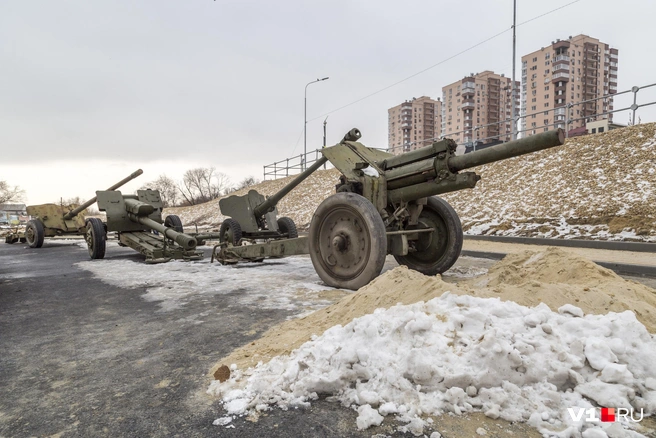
(512, 105)
(325, 122)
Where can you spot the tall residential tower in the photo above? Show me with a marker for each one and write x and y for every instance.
(557, 77)
(413, 124)
(478, 108)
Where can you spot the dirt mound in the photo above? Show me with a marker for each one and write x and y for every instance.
(553, 277)
(556, 277)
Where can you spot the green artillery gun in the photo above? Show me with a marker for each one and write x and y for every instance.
(51, 220)
(385, 204)
(137, 219)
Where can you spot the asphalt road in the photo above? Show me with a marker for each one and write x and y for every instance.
(81, 358)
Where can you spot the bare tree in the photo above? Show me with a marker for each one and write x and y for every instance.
(247, 182)
(203, 184)
(76, 200)
(10, 193)
(168, 190)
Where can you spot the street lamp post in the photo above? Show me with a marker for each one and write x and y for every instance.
(305, 123)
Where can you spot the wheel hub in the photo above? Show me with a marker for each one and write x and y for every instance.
(340, 243)
(344, 243)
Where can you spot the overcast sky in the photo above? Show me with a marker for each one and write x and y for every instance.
(91, 90)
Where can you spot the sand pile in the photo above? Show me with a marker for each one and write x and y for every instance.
(552, 276)
(556, 277)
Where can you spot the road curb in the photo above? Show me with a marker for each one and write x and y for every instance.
(571, 243)
(620, 268)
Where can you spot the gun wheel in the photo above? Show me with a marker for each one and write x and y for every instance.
(230, 232)
(96, 238)
(348, 244)
(287, 226)
(173, 221)
(34, 233)
(434, 253)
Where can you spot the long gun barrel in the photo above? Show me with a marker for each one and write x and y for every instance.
(412, 179)
(515, 148)
(273, 200)
(138, 212)
(71, 214)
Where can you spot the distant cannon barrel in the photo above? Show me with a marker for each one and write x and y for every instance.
(184, 240)
(515, 148)
(273, 200)
(71, 214)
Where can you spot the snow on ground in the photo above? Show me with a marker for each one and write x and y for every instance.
(289, 283)
(461, 354)
(593, 187)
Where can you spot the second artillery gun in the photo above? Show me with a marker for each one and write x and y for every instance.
(137, 221)
(385, 204)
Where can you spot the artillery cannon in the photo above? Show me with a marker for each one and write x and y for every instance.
(51, 220)
(137, 219)
(385, 204)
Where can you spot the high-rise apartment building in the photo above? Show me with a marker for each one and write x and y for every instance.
(478, 108)
(413, 124)
(557, 77)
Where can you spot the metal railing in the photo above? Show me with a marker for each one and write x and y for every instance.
(291, 166)
(560, 116)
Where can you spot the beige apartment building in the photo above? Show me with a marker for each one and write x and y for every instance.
(555, 79)
(478, 108)
(413, 124)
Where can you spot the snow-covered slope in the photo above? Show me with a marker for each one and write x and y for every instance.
(597, 186)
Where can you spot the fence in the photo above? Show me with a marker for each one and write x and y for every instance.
(561, 117)
(291, 166)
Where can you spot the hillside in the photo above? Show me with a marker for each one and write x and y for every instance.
(595, 187)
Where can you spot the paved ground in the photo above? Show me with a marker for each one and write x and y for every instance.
(81, 358)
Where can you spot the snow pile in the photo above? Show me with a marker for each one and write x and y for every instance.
(596, 187)
(462, 354)
(289, 284)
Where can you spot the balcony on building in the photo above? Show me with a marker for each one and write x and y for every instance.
(561, 67)
(468, 104)
(562, 76)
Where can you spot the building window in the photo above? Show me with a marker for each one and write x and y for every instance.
(601, 129)
(594, 130)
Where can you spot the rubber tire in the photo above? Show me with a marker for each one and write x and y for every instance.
(173, 221)
(287, 226)
(38, 232)
(98, 237)
(230, 226)
(373, 229)
(446, 251)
